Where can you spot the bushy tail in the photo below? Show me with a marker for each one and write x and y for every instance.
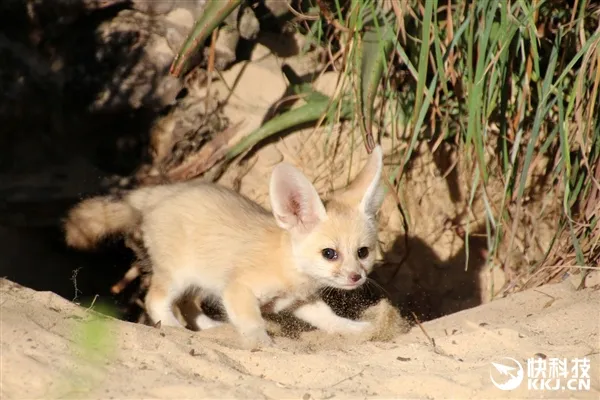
(96, 218)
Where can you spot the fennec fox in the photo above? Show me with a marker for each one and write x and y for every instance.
(202, 235)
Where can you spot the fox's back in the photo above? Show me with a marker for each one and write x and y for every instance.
(207, 229)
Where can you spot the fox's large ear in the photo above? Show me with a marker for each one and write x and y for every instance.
(366, 188)
(295, 202)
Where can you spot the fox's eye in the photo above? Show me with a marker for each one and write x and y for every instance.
(329, 254)
(363, 252)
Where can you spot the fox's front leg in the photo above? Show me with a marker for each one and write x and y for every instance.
(321, 316)
(243, 311)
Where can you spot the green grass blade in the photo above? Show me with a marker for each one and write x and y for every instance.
(212, 16)
(377, 44)
(541, 112)
(315, 107)
(424, 54)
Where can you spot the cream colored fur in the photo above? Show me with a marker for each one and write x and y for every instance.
(209, 237)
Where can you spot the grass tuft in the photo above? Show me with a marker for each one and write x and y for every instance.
(511, 86)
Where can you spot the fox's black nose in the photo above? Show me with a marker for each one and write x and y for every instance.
(354, 277)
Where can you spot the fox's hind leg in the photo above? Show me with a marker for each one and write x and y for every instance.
(159, 301)
(203, 321)
(194, 313)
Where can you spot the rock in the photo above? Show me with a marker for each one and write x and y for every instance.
(327, 83)
(251, 99)
(289, 48)
(155, 7)
(225, 47)
(248, 25)
(278, 7)
(592, 279)
(161, 7)
(61, 12)
(181, 17)
(179, 22)
(137, 43)
(184, 130)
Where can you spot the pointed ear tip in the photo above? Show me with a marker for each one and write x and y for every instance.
(276, 173)
(281, 167)
(285, 171)
(377, 151)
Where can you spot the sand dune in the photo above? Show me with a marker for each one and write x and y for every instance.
(52, 348)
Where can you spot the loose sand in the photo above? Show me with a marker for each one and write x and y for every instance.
(52, 348)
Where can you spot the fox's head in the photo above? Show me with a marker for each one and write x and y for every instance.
(335, 242)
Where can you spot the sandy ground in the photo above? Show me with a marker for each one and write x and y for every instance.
(52, 348)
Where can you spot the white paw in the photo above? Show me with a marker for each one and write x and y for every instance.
(360, 326)
(166, 320)
(205, 322)
(351, 327)
(257, 338)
